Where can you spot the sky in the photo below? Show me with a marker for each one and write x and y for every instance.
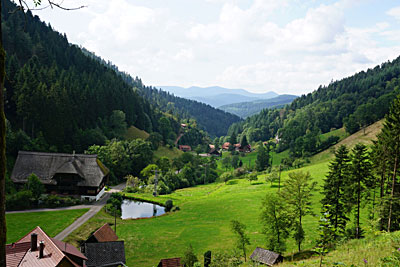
(285, 46)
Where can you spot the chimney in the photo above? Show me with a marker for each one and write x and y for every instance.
(41, 249)
(33, 242)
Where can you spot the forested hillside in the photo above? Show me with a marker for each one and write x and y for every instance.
(214, 121)
(352, 102)
(59, 99)
(246, 109)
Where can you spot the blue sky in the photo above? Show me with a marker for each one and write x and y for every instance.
(286, 46)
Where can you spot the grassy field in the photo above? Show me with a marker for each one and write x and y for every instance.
(367, 252)
(206, 212)
(203, 221)
(135, 133)
(52, 222)
(163, 151)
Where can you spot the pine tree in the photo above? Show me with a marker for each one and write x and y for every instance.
(335, 189)
(360, 180)
(390, 135)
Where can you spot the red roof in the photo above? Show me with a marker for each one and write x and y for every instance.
(226, 145)
(68, 248)
(105, 234)
(53, 255)
(173, 262)
(184, 147)
(16, 252)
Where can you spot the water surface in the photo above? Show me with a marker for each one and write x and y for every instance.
(132, 209)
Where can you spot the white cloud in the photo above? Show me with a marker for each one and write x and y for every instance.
(394, 12)
(242, 44)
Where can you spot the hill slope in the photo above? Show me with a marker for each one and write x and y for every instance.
(59, 97)
(352, 102)
(246, 109)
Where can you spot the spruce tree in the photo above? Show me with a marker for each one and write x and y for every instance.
(390, 135)
(360, 181)
(335, 189)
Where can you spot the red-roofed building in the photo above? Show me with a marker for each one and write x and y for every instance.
(226, 145)
(37, 249)
(103, 234)
(185, 148)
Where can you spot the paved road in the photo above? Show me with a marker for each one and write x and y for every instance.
(95, 208)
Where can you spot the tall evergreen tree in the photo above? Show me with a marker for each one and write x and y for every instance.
(335, 189)
(360, 180)
(390, 135)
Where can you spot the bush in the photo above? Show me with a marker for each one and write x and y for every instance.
(239, 172)
(176, 208)
(168, 205)
(19, 201)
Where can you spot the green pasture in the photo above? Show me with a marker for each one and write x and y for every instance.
(203, 221)
(52, 222)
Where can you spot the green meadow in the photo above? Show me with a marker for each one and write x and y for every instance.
(52, 222)
(203, 221)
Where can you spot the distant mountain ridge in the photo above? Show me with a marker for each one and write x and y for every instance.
(246, 109)
(216, 96)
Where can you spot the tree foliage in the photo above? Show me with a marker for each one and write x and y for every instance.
(276, 220)
(297, 192)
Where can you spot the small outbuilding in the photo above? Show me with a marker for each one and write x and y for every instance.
(185, 148)
(173, 262)
(67, 174)
(266, 257)
(103, 234)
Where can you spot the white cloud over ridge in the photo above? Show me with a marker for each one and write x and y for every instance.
(245, 46)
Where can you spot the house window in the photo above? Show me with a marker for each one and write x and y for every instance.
(91, 191)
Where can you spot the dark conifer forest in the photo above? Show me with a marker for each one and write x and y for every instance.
(59, 98)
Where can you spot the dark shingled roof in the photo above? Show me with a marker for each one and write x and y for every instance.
(105, 253)
(46, 165)
(265, 256)
(173, 262)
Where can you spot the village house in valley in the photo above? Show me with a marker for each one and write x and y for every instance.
(37, 249)
(68, 174)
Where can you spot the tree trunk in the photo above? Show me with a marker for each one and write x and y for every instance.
(392, 194)
(244, 252)
(3, 229)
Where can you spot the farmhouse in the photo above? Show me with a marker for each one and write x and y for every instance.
(38, 249)
(185, 148)
(68, 174)
(226, 145)
(265, 256)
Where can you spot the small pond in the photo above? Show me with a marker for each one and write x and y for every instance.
(132, 209)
